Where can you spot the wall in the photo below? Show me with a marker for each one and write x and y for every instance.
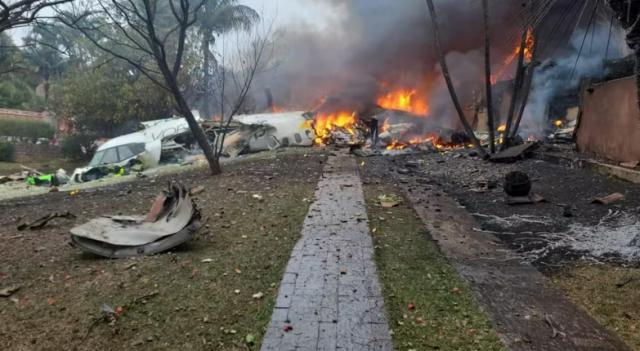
(62, 127)
(610, 122)
(23, 153)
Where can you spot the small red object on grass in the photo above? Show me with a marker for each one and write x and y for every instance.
(412, 307)
(119, 309)
(51, 301)
(288, 328)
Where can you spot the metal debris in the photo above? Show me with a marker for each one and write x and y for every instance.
(609, 199)
(176, 221)
(42, 221)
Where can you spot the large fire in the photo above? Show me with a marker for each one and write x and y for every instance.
(324, 123)
(405, 100)
(528, 53)
(433, 139)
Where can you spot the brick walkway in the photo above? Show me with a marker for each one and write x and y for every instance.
(330, 295)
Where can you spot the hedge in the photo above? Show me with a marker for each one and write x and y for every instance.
(33, 130)
(6, 151)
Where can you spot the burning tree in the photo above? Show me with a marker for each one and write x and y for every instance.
(149, 35)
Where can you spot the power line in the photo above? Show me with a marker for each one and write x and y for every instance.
(564, 33)
(557, 25)
(583, 40)
(606, 52)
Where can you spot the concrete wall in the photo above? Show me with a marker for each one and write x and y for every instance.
(610, 122)
(23, 153)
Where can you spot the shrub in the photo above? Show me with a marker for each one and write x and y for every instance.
(78, 147)
(33, 130)
(6, 151)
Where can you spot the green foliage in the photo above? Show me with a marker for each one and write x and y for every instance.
(108, 102)
(78, 147)
(6, 151)
(32, 130)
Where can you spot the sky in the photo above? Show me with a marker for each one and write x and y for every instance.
(282, 12)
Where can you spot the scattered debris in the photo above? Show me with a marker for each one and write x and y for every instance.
(343, 270)
(567, 211)
(522, 200)
(258, 295)
(609, 199)
(126, 236)
(631, 165)
(513, 154)
(8, 291)
(624, 283)
(258, 197)
(517, 183)
(197, 190)
(42, 221)
(554, 331)
(250, 339)
(388, 201)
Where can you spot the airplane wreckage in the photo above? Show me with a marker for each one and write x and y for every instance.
(170, 140)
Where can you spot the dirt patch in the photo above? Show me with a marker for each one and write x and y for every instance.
(204, 289)
(428, 304)
(608, 293)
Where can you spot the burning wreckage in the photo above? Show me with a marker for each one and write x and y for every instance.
(170, 141)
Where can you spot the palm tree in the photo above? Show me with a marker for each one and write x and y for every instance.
(218, 17)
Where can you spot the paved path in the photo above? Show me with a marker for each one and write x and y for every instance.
(330, 295)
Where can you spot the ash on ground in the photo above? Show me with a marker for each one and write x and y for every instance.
(565, 227)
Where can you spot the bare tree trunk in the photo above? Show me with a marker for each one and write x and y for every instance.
(447, 78)
(487, 76)
(207, 78)
(516, 90)
(528, 80)
(196, 129)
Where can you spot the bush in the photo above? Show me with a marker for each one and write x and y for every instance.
(33, 130)
(6, 151)
(78, 147)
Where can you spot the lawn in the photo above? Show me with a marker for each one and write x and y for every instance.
(196, 297)
(610, 294)
(428, 304)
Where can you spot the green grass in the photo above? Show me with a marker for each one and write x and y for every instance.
(199, 305)
(413, 272)
(595, 289)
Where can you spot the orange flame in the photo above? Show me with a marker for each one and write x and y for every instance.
(558, 123)
(324, 124)
(404, 100)
(432, 138)
(528, 54)
(385, 125)
(277, 109)
(502, 128)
